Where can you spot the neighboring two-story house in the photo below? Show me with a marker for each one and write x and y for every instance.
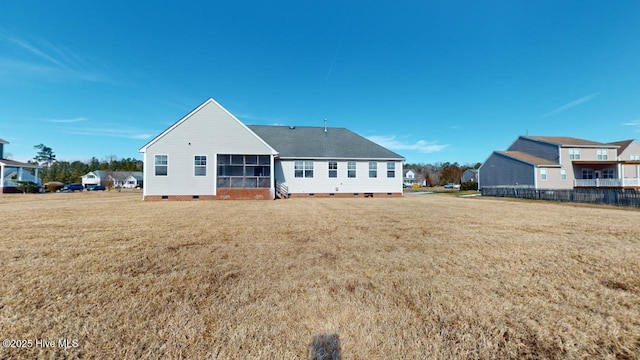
(408, 177)
(546, 162)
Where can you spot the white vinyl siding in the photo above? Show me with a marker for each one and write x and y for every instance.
(323, 181)
(208, 130)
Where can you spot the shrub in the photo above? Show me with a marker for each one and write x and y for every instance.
(469, 185)
(27, 187)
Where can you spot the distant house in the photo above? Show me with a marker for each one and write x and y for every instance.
(470, 175)
(409, 177)
(125, 179)
(11, 172)
(545, 162)
(210, 154)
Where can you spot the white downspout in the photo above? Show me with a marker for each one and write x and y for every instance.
(535, 177)
(1, 178)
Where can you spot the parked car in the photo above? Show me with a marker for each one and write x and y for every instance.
(452, 186)
(72, 187)
(96, 188)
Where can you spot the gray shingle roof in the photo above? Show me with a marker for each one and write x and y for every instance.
(313, 142)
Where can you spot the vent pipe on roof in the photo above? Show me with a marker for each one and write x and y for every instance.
(325, 125)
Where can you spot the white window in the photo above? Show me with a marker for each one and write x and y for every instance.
(543, 174)
(587, 173)
(303, 169)
(602, 154)
(574, 154)
(563, 174)
(200, 165)
(351, 169)
(391, 169)
(607, 174)
(333, 169)
(162, 165)
(373, 169)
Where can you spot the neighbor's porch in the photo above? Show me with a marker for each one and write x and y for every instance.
(609, 174)
(12, 172)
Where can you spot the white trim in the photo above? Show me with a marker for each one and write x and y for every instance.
(210, 101)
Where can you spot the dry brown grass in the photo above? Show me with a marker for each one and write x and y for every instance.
(425, 276)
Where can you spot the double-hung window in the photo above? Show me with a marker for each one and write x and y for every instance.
(161, 165)
(391, 169)
(303, 169)
(200, 165)
(373, 169)
(574, 154)
(543, 174)
(351, 169)
(563, 174)
(602, 154)
(333, 169)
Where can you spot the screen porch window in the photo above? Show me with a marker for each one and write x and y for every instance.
(161, 165)
(200, 165)
(373, 169)
(333, 169)
(587, 173)
(244, 171)
(391, 169)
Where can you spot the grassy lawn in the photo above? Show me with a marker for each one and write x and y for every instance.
(418, 277)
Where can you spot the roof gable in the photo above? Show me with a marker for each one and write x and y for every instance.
(298, 142)
(218, 110)
(623, 145)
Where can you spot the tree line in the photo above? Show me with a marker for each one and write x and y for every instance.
(72, 172)
(440, 173)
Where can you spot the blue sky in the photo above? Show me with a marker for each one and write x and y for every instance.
(433, 81)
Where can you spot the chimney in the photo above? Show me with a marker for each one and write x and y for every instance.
(325, 125)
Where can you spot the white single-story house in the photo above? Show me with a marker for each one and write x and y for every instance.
(210, 154)
(12, 172)
(125, 179)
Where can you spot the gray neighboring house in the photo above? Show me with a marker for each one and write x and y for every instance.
(210, 154)
(470, 175)
(552, 162)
